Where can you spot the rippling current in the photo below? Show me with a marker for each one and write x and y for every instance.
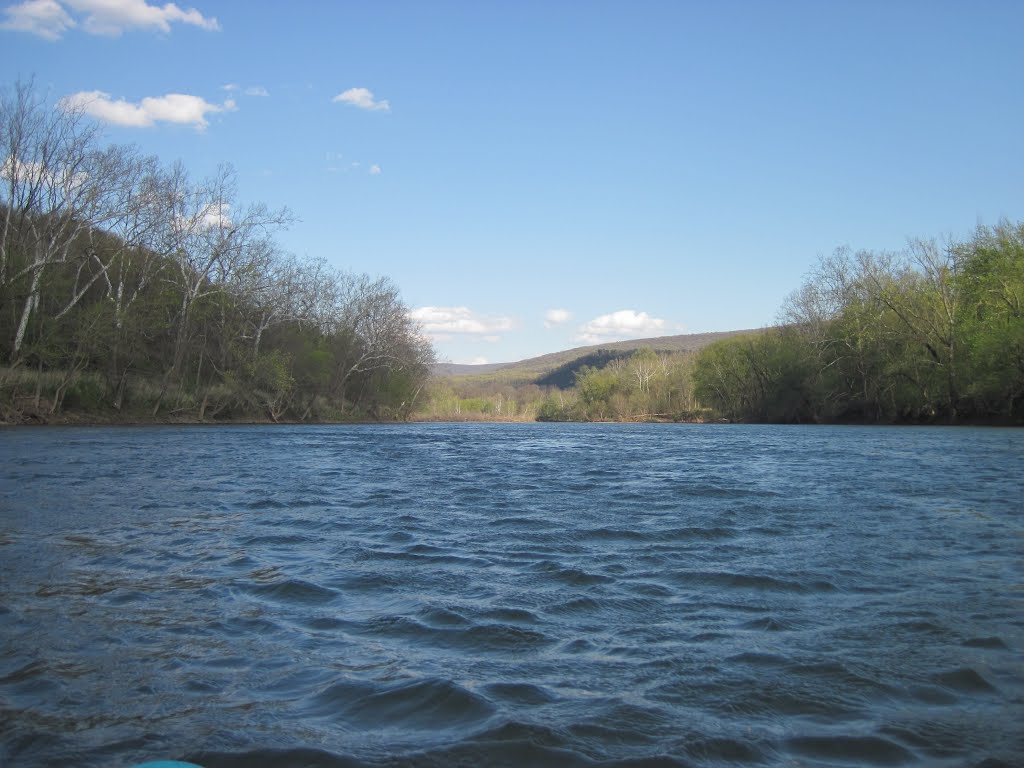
(562, 595)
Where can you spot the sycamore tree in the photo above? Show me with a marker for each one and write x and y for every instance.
(52, 183)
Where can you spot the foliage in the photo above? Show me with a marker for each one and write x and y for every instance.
(127, 287)
(932, 334)
(469, 399)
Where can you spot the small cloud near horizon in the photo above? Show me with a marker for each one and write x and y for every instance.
(362, 98)
(440, 323)
(624, 324)
(556, 317)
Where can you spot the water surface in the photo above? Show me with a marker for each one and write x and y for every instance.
(512, 595)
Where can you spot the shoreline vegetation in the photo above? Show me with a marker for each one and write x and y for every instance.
(933, 334)
(132, 294)
(130, 291)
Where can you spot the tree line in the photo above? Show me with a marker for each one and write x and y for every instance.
(602, 385)
(644, 385)
(930, 334)
(127, 286)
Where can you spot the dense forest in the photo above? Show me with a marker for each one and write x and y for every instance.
(933, 334)
(131, 292)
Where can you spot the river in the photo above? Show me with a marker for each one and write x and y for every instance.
(522, 594)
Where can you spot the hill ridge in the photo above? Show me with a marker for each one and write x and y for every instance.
(541, 364)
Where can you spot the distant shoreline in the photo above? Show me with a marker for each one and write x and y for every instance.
(76, 419)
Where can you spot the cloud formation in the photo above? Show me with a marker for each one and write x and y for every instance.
(33, 173)
(440, 322)
(112, 17)
(555, 317)
(375, 170)
(179, 108)
(624, 324)
(50, 19)
(44, 18)
(364, 99)
(215, 216)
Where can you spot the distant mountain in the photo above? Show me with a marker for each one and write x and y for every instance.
(466, 369)
(537, 368)
(564, 376)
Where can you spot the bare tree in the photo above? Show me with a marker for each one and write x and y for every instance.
(374, 331)
(217, 245)
(278, 287)
(644, 365)
(53, 179)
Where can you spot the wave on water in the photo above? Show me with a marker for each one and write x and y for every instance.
(509, 595)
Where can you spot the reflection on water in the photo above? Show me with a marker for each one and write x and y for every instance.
(512, 595)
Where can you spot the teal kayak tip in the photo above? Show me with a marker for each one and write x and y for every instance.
(167, 764)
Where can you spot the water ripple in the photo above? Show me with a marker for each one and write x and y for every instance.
(508, 595)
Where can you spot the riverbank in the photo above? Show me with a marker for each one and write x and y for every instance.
(64, 398)
(114, 419)
(42, 417)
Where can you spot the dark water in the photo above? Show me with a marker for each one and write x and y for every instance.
(512, 595)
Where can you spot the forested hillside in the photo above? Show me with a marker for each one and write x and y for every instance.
(597, 382)
(130, 291)
(931, 334)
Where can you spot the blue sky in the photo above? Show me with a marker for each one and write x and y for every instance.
(539, 175)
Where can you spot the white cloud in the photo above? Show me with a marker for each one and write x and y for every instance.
(624, 324)
(375, 170)
(439, 321)
(476, 361)
(50, 19)
(215, 216)
(229, 87)
(364, 99)
(31, 173)
(44, 18)
(179, 108)
(112, 17)
(556, 317)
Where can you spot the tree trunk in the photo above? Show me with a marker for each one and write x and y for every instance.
(31, 302)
